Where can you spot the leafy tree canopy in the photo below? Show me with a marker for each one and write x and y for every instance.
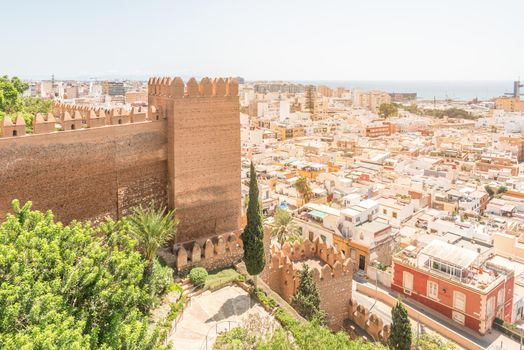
(13, 103)
(74, 287)
(388, 110)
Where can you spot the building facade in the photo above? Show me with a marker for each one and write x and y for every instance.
(456, 283)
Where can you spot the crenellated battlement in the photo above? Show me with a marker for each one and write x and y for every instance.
(369, 322)
(13, 129)
(160, 89)
(217, 251)
(207, 87)
(73, 117)
(180, 151)
(284, 261)
(331, 270)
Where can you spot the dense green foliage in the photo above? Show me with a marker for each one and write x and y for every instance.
(253, 234)
(440, 113)
(307, 298)
(35, 105)
(264, 299)
(387, 110)
(175, 309)
(309, 335)
(152, 228)
(432, 342)
(198, 276)
(400, 337)
(12, 103)
(450, 112)
(11, 94)
(237, 338)
(283, 228)
(306, 336)
(75, 287)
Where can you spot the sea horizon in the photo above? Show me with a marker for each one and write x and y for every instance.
(461, 90)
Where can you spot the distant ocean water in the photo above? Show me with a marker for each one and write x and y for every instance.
(456, 90)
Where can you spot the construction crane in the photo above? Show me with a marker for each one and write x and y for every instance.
(516, 89)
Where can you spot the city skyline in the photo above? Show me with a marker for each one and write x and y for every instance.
(308, 40)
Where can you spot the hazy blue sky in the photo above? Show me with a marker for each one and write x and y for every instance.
(264, 39)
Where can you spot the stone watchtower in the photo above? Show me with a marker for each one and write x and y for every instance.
(203, 152)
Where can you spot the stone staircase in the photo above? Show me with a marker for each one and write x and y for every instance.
(209, 314)
(189, 289)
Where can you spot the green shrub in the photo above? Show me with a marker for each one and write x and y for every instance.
(287, 320)
(175, 287)
(198, 276)
(220, 279)
(74, 286)
(429, 341)
(176, 308)
(264, 299)
(158, 282)
(235, 339)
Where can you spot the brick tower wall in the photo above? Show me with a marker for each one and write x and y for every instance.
(204, 165)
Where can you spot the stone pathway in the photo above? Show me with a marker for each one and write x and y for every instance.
(211, 313)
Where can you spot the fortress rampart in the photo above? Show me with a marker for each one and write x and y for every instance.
(87, 163)
(332, 272)
(212, 253)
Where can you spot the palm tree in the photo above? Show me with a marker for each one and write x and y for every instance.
(152, 228)
(303, 187)
(283, 228)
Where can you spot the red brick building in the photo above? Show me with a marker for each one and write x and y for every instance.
(377, 130)
(456, 282)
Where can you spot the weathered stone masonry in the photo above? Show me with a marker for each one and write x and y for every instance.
(183, 152)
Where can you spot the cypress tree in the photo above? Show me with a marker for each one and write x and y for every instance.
(307, 299)
(310, 99)
(253, 234)
(400, 337)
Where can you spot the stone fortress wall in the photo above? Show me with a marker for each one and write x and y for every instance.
(216, 252)
(334, 280)
(184, 153)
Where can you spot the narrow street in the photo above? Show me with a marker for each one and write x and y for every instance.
(491, 341)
